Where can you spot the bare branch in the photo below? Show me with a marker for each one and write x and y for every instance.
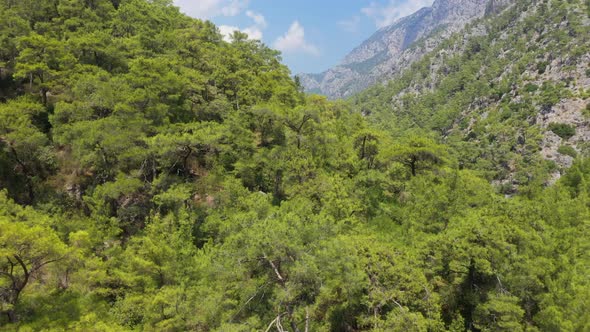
(274, 267)
(25, 270)
(279, 325)
(399, 305)
(271, 324)
(38, 267)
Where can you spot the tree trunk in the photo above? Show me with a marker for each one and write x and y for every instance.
(413, 166)
(363, 147)
(44, 96)
(26, 173)
(12, 316)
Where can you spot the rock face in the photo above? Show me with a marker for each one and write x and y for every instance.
(391, 49)
(515, 87)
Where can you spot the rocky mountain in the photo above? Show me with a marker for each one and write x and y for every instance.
(395, 47)
(511, 92)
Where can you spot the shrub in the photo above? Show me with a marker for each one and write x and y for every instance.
(542, 67)
(567, 151)
(586, 111)
(552, 94)
(563, 130)
(530, 87)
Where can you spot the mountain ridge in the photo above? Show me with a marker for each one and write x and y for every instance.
(513, 90)
(385, 53)
(155, 177)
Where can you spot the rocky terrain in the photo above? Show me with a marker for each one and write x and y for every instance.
(393, 48)
(510, 91)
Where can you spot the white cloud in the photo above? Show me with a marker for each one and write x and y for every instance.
(226, 31)
(206, 9)
(254, 31)
(258, 19)
(234, 7)
(350, 25)
(294, 41)
(384, 15)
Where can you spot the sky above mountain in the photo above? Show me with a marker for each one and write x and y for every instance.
(312, 35)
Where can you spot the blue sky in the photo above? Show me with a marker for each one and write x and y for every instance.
(312, 35)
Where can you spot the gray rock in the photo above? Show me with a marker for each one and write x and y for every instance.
(394, 48)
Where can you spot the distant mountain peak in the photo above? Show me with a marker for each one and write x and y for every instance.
(382, 54)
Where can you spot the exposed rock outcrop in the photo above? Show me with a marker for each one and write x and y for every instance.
(393, 48)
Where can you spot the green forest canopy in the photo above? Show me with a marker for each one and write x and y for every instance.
(155, 177)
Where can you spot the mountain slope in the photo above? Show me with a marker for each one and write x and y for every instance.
(510, 93)
(390, 50)
(154, 177)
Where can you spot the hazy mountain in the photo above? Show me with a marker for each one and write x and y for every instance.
(511, 91)
(392, 48)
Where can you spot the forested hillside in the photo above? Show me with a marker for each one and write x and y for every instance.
(511, 93)
(154, 177)
(392, 49)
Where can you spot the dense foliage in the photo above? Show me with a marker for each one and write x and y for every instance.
(155, 177)
(489, 91)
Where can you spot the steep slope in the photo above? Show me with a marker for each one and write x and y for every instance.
(390, 49)
(154, 177)
(508, 92)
